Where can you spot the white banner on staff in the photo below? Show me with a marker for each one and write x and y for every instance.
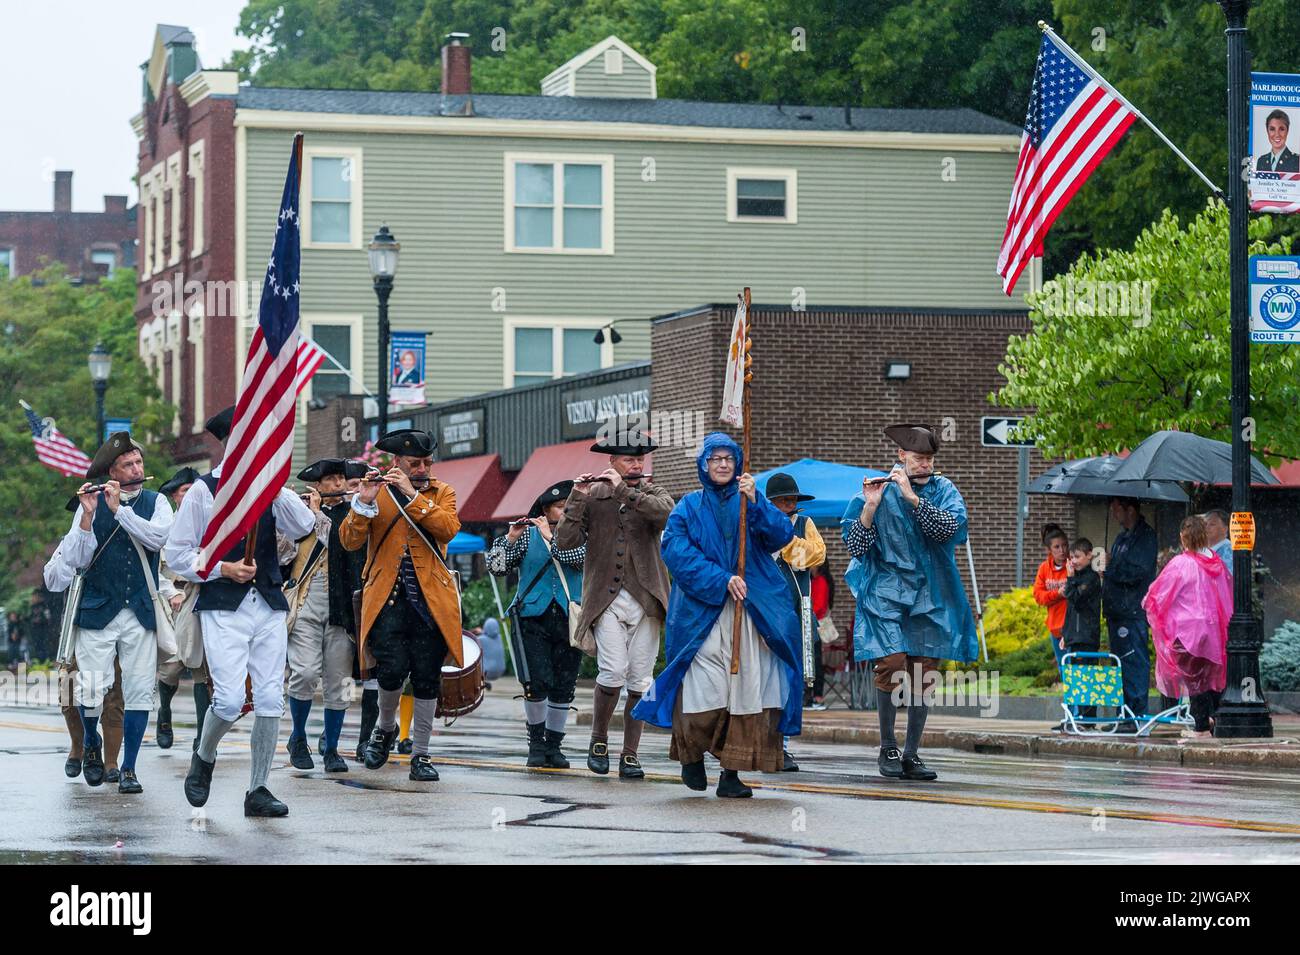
(733, 387)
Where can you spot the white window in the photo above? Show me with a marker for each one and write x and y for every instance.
(174, 187)
(340, 337)
(543, 349)
(331, 198)
(757, 194)
(194, 170)
(104, 257)
(156, 192)
(7, 263)
(195, 338)
(559, 203)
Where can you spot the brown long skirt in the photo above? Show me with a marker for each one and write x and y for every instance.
(752, 742)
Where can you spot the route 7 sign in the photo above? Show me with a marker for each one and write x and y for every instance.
(997, 433)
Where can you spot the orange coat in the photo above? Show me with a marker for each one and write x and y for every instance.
(1053, 600)
(434, 510)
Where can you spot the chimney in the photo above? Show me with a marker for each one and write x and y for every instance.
(456, 65)
(63, 190)
(115, 205)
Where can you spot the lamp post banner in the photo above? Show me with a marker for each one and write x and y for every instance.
(1275, 142)
(406, 368)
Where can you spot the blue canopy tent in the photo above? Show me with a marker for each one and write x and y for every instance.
(465, 543)
(833, 486)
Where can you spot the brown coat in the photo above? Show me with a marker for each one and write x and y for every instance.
(434, 510)
(612, 522)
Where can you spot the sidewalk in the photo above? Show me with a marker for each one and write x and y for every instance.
(1033, 738)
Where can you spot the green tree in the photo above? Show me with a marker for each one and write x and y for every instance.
(1104, 370)
(47, 327)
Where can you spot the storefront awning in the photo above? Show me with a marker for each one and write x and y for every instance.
(478, 483)
(548, 465)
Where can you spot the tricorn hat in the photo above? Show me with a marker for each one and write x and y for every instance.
(219, 424)
(178, 480)
(118, 444)
(410, 442)
(913, 437)
(631, 441)
(556, 493)
(322, 468)
(781, 484)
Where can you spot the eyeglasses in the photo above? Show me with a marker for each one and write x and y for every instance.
(724, 459)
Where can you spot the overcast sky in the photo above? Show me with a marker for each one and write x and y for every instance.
(70, 71)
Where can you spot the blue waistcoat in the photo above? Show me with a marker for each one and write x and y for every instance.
(548, 588)
(116, 579)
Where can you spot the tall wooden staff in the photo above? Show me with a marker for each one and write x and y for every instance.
(744, 506)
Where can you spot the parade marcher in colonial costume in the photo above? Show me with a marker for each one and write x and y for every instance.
(320, 586)
(175, 590)
(911, 609)
(114, 539)
(618, 516)
(541, 608)
(410, 610)
(805, 551)
(242, 610)
(740, 718)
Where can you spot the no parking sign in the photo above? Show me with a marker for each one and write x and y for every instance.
(1274, 298)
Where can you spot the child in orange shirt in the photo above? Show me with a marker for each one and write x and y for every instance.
(1049, 584)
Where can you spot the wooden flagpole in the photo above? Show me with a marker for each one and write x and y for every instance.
(745, 413)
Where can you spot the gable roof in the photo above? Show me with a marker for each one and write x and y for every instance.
(586, 56)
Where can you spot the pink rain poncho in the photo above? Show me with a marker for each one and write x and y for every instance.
(1188, 607)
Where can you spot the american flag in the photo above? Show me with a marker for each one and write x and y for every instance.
(258, 451)
(1074, 120)
(310, 357)
(53, 449)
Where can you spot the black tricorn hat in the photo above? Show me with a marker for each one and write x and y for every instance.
(118, 444)
(219, 424)
(355, 469)
(632, 442)
(781, 484)
(178, 480)
(913, 437)
(410, 442)
(322, 468)
(556, 493)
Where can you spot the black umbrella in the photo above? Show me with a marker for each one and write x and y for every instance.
(1183, 456)
(1094, 477)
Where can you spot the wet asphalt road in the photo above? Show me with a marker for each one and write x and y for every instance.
(488, 808)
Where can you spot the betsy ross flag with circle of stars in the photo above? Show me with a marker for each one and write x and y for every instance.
(260, 444)
(1073, 122)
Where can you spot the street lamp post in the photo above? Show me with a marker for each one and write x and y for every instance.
(383, 267)
(1242, 711)
(101, 363)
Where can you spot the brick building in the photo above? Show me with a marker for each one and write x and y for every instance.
(90, 244)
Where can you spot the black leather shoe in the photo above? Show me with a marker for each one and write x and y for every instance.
(128, 783)
(789, 765)
(299, 754)
(405, 746)
(378, 747)
(422, 770)
(554, 755)
(730, 786)
(890, 762)
(629, 767)
(198, 782)
(72, 768)
(694, 777)
(92, 765)
(536, 745)
(913, 768)
(112, 775)
(260, 802)
(598, 757)
(164, 736)
(334, 763)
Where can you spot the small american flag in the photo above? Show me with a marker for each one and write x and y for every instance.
(310, 357)
(1074, 120)
(258, 451)
(53, 449)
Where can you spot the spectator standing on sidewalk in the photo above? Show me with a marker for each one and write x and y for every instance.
(1127, 572)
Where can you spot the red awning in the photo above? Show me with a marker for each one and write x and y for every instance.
(546, 466)
(478, 483)
(1288, 473)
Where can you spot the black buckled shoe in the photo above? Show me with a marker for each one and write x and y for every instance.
(422, 770)
(261, 803)
(164, 736)
(913, 768)
(694, 777)
(299, 754)
(198, 782)
(92, 764)
(890, 762)
(112, 775)
(788, 764)
(730, 786)
(598, 757)
(554, 755)
(405, 746)
(629, 767)
(378, 747)
(72, 768)
(536, 745)
(334, 763)
(128, 783)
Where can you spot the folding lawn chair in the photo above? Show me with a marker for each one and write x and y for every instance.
(1093, 685)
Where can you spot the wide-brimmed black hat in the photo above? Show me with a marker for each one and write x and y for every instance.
(781, 484)
(118, 444)
(219, 424)
(625, 442)
(409, 442)
(913, 437)
(178, 480)
(557, 493)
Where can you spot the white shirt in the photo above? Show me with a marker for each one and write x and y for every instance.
(181, 551)
(77, 548)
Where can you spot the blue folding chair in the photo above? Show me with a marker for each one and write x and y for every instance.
(1094, 685)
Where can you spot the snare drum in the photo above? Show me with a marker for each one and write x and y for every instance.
(462, 687)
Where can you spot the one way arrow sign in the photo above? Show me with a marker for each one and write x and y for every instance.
(996, 433)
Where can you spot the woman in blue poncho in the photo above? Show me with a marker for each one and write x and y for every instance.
(739, 718)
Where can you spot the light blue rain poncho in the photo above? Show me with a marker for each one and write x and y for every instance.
(909, 594)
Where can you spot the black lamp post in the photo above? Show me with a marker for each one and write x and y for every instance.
(1242, 711)
(383, 266)
(101, 363)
